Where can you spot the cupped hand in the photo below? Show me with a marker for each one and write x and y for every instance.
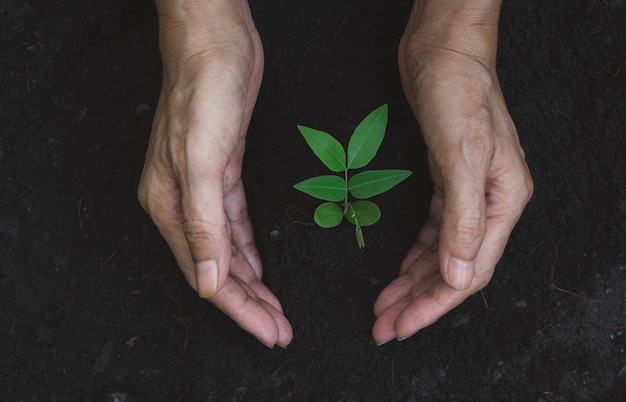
(191, 183)
(481, 181)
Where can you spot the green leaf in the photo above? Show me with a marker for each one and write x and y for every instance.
(359, 237)
(326, 147)
(363, 213)
(328, 215)
(366, 139)
(373, 182)
(327, 188)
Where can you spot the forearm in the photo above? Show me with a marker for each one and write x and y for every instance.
(466, 26)
(188, 28)
(201, 10)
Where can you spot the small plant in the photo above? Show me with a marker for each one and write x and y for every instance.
(362, 148)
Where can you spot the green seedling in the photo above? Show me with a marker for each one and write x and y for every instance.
(336, 190)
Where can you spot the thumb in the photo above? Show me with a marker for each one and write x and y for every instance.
(463, 220)
(205, 227)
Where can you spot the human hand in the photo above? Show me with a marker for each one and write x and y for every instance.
(481, 181)
(191, 183)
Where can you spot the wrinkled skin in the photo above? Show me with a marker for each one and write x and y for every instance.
(481, 181)
(191, 185)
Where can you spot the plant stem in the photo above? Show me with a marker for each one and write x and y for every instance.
(345, 201)
(359, 232)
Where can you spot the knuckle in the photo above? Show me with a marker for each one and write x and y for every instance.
(477, 144)
(522, 192)
(467, 234)
(197, 232)
(155, 205)
(143, 196)
(200, 233)
(468, 230)
(475, 148)
(529, 187)
(239, 217)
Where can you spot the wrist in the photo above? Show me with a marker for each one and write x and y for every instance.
(467, 27)
(201, 10)
(189, 30)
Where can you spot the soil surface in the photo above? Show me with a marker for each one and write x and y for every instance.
(93, 307)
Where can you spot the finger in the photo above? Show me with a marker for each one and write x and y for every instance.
(235, 300)
(384, 328)
(431, 304)
(264, 293)
(210, 143)
(241, 269)
(160, 197)
(205, 224)
(423, 267)
(463, 220)
(426, 238)
(285, 332)
(397, 289)
(244, 274)
(259, 318)
(428, 307)
(241, 226)
(259, 292)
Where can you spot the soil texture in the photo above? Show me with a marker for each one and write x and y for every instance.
(93, 307)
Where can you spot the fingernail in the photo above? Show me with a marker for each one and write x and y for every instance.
(383, 342)
(206, 278)
(460, 273)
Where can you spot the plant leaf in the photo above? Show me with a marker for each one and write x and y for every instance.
(359, 237)
(326, 147)
(366, 139)
(373, 182)
(327, 188)
(363, 213)
(328, 215)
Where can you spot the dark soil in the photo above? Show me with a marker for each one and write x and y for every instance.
(93, 307)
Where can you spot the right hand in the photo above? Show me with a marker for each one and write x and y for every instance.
(191, 183)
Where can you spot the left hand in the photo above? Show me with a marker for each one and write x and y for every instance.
(481, 181)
